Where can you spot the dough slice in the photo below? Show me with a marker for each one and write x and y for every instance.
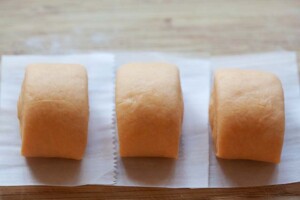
(53, 110)
(149, 108)
(247, 115)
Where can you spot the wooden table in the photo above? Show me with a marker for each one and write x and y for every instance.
(218, 27)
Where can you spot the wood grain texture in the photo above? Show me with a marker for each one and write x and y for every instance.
(218, 27)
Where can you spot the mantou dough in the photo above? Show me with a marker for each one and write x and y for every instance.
(247, 115)
(53, 110)
(149, 108)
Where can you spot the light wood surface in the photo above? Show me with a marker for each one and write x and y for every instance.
(218, 27)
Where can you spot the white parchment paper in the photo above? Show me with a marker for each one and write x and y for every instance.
(242, 173)
(196, 167)
(190, 170)
(97, 166)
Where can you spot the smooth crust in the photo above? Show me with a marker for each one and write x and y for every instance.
(247, 115)
(53, 110)
(149, 108)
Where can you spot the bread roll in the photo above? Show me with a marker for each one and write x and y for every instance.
(247, 115)
(53, 110)
(149, 108)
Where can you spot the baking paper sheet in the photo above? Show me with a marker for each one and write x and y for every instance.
(241, 173)
(196, 167)
(97, 166)
(190, 170)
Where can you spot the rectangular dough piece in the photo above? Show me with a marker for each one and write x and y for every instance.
(247, 115)
(149, 108)
(53, 110)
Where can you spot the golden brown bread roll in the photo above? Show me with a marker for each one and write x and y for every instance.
(149, 108)
(53, 110)
(247, 115)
